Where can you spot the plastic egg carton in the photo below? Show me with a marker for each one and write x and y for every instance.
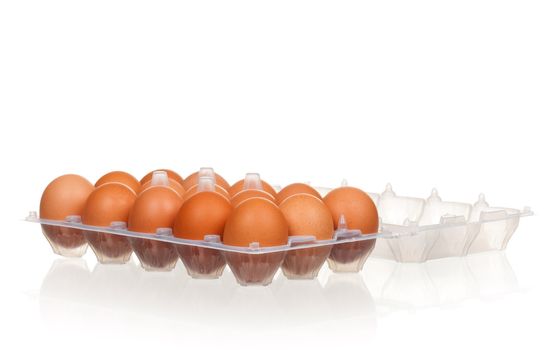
(411, 230)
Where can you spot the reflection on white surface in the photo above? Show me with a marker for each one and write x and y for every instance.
(129, 297)
(398, 286)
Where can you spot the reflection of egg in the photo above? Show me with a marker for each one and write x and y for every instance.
(295, 188)
(205, 213)
(193, 190)
(192, 180)
(154, 208)
(173, 184)
(65, 196)
(108, 203)
(246, 194)
(307, 215)
(171, 174)
(239, 186)
(356, 206)
(120, 177)
(256, 220)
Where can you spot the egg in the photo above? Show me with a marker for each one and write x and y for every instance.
(171, 174)
(120, 177)
(295, 188)
(155, 208)
(240, 186)
(192, 179)
(356, 206)
(256, 220)
(307, 215)
(195, 189)
(65, 196)
(173, 184)
(109, 203)
(246, 194)
(205, 213)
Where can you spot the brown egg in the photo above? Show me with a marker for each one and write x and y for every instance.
(120, 177)
(174, 185)
(192, 180)
(108, 203)
(295, 188)
(171, 174)
(307, 215)
(239, 186)
(65, 196)
(246, 194)
(154, 208)
(356, 206)
(205, 213)
(194, 190)
(256, 220)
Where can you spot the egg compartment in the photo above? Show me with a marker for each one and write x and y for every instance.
(155, 255)
(204, 263)
(109, 248)
(304, 263)
(66, 241)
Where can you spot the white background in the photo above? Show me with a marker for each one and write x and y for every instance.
(452, 94)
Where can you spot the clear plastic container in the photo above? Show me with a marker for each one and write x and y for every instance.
(411, 230)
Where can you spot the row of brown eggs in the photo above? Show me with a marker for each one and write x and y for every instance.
(204, 203)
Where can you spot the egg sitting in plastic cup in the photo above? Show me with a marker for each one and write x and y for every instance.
(255, 223)
(353, 211)
(202, 217)
(64, 200)
(153, 213)
(108, 206)
(309, 221)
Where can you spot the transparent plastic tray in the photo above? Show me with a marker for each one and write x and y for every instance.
(411, 230)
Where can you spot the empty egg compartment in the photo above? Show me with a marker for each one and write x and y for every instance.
(418, 229)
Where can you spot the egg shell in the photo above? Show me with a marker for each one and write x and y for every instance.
(296, 188)
(171, 174)
(246, 194)
(108, 203)
(174, 185)
(65, 196)
(193, 190)
(238, 187)
(307, 215)
(192, 180)
(356, 206)
(120, 177)
(156, 207)
(205, 213)
(256, 220)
